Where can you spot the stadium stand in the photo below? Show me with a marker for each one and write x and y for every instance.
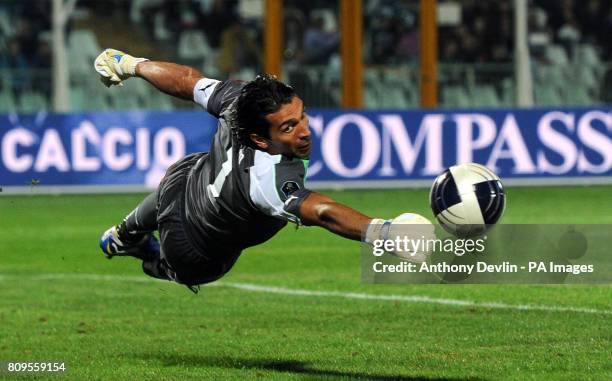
(568, 43)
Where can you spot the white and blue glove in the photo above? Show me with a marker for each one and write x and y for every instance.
(407, 226)
(115, 66)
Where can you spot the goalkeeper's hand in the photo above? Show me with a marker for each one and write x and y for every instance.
(414, 227)
(115, 66)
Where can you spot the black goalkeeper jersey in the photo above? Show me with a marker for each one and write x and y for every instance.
(237, 197)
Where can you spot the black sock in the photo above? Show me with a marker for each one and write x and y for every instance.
(127, 236)
(140, 222)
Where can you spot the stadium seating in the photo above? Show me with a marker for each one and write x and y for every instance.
(508, 92)
(572, 72)
(454, 96)
(158, 101)
(83, 48)
(484, 96)
(556, 54)
(370, 100)
(586, 76)
(587, 54)
(547, 95)
(6, 27)
(7, 102)
(32, 102)
(78, 98)
(394, 98)
(371, 83)
(98, 102)
(576, 96)
(329, 18)
(136, 7)
(79, 65)
(160, 32)
(193, 46)
(128, 99)
(85, 41)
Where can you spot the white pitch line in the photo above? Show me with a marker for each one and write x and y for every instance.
(322, 294)
(412, 298)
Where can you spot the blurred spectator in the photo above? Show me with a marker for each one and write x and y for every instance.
(15, 61)
(193, 47)
(148, 10)
(407, 39)
(539, 33)
(181, 15)
(43, 58)
(503, 49)
(449, 51)
(42, 64)
(606, 35)
(222, 16)
(319, 44)
(294, 35)
(27, 37)
(38, 13)
(238, 51)
(384, 37)
(568, 33)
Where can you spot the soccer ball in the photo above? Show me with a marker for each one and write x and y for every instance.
(467, 198)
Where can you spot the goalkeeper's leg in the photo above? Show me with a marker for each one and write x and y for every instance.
(141, 221)
(134, 235)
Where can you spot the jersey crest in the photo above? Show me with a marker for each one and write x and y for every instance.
(289, 187)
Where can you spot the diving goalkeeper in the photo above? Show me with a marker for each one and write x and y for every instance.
(212, 205)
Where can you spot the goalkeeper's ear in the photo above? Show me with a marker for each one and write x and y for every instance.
(260, 142)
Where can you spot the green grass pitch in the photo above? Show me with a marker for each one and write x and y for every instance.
(60, 300)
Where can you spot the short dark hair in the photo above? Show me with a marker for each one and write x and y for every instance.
(262, 96)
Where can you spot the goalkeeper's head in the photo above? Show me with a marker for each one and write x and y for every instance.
(270, 117)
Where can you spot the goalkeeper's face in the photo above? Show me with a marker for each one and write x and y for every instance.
(289, 130)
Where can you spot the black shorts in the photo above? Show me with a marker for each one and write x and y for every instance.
(191, 265)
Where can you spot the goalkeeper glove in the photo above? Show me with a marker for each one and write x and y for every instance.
(410, 226)
(114, 66)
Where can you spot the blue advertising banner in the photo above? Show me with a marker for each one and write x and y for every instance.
(115, 149)
(368, 148)
(516, 144)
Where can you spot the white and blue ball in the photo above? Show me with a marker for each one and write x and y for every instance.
(467, 198)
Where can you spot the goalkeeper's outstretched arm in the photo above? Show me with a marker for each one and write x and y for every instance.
(115, 66)
(176, 80)
(320, 210)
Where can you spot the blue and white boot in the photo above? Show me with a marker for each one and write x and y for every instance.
(111, 245)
